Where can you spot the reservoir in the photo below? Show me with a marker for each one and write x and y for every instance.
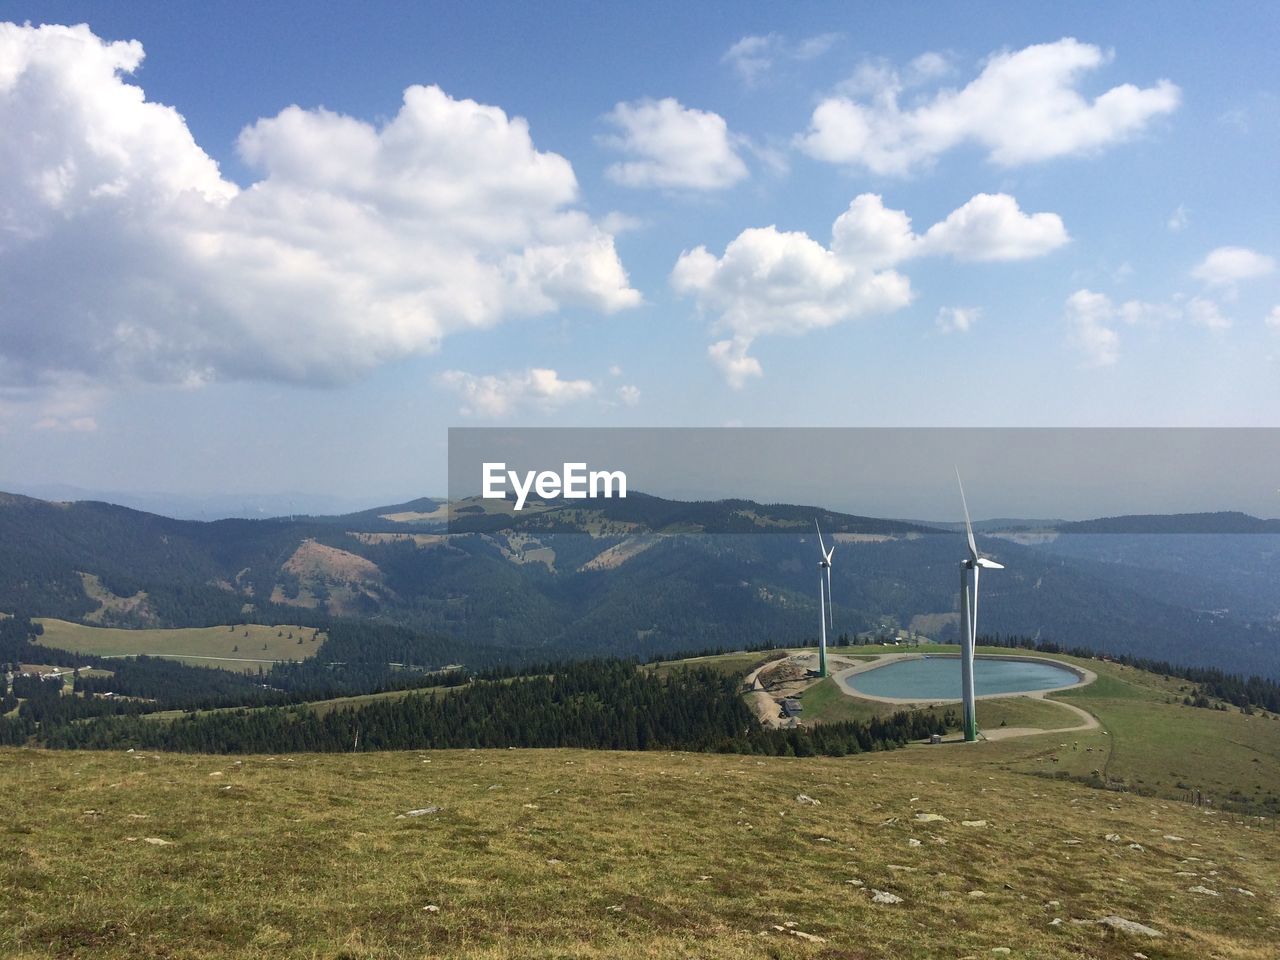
(938, 678)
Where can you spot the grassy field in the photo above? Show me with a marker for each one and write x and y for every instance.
(733, 664)
(1148, 741)
(825, 703)
(578, 854)
(244, 648)
(1153, 743)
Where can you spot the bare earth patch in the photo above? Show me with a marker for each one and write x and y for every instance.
(619, 553)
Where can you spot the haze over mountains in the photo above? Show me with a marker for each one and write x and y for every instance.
(646, 575)
(195, 506)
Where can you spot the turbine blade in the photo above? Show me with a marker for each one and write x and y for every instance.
(973, 610)
(831, 604)
(990, 564)
(968, 526)
(821, 546)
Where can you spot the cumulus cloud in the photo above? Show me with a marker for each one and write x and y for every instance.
(1273, 318)
(1207, 314)
(958, 319)
(928, 66)
(537, 389)
(1023, 107)
(673, 146)
(1089, 316)
(730, 358)
(125, 254)
(1092, 317)
(992, 227)
(1227, 266)
(770, 282)
(629, 394)
(1178, 220)
(754, 57)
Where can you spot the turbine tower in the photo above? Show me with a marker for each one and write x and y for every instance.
(969, 571)
(825, 607)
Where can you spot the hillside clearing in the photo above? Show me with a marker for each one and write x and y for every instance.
(244, 648)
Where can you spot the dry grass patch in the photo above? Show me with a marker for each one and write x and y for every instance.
(578, 854)
(244, 648)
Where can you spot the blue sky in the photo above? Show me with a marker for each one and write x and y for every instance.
(358, 272)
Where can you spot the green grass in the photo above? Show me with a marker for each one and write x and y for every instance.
(228, 649)
(1023, 712)
(1168, 749)
(1149, 742)
(731, 664)
(825, 703)
(318, 707)
(578, 854)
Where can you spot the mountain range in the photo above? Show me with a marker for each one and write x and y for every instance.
(647, 576)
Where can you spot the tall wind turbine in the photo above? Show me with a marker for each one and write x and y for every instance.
(969, 571)
(826, 609)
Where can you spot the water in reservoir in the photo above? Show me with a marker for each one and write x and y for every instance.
(938, 678)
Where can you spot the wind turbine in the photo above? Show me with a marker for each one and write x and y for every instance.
(969, 571)
(825, 606)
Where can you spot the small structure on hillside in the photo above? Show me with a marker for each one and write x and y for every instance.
(791, 707)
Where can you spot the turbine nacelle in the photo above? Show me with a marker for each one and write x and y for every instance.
(981, 562)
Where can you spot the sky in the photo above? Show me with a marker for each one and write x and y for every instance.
(257, 248)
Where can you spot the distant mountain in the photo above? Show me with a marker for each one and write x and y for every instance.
(426, 512)
(641, 513)
(1224, 522)
(637, 576)
(218, 506)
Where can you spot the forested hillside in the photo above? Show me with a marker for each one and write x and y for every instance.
(540, 588)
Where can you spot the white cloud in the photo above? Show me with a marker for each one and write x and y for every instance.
(988, 227)
(730, 357)
(753, 57)
(1023, 107)
(1273, 318)
(629, 394)
(615, 222)
(928, 66)
(1237, 117)
(871, 234)
(958, 319)
(125, 255)
(1138, 313)
(674, 147)
(771, 282)
(1088, 315)
(992, 227)
(1207, 314)
(67, 404)
(1177, 220)
(1227, 266)
(813, 47)
(537, 389)
(1091, 318)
